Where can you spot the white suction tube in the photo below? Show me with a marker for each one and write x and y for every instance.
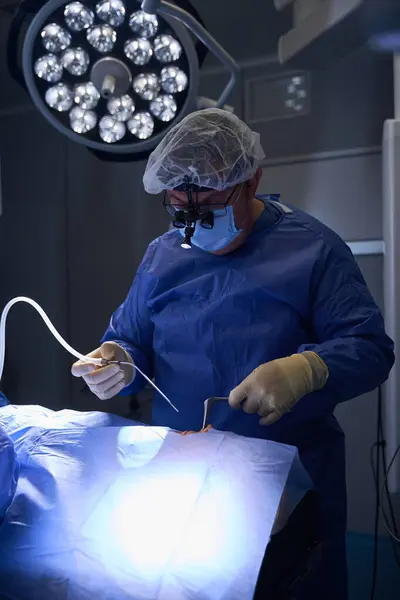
(95, 361)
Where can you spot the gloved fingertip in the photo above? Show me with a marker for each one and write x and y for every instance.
(269, 419)
(235, 399)
(80, 368)
(248, 407)
(108, 350)
(113, 391)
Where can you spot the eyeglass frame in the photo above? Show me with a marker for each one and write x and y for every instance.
(200, 210)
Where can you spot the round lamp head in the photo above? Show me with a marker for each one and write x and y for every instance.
(108, 75)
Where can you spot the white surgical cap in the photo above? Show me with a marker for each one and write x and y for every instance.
(212, 148)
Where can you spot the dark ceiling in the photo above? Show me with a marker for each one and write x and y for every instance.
(245, 28)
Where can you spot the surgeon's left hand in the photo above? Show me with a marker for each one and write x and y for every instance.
(275, 387)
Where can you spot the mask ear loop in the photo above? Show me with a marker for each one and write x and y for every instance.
(240, 188)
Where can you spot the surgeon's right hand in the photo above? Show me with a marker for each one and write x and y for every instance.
(106, 382)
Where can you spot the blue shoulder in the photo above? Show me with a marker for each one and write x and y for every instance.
(332, 241)
(163, 243)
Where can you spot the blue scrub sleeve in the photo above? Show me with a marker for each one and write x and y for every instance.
(131, 326)
(348, 329)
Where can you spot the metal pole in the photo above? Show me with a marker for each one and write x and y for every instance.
(396, 85)
(391, 270)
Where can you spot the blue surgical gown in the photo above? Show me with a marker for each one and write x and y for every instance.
(199, 324)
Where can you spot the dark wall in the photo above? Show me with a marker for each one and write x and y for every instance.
(34, 249)
(347, 105)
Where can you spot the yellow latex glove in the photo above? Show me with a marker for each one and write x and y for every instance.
(275, 387)
(106, 382)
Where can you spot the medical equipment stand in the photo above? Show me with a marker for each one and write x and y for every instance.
(391, 269)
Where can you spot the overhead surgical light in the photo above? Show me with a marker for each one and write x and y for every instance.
(115, 75)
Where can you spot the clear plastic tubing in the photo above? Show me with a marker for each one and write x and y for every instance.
(94, 361)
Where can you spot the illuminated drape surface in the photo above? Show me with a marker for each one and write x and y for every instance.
(109, 510)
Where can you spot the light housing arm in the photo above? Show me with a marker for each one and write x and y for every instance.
(166, 8)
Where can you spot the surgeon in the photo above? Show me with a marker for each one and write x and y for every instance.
(250, 299)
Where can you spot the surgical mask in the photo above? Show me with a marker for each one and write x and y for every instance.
(221, 235)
